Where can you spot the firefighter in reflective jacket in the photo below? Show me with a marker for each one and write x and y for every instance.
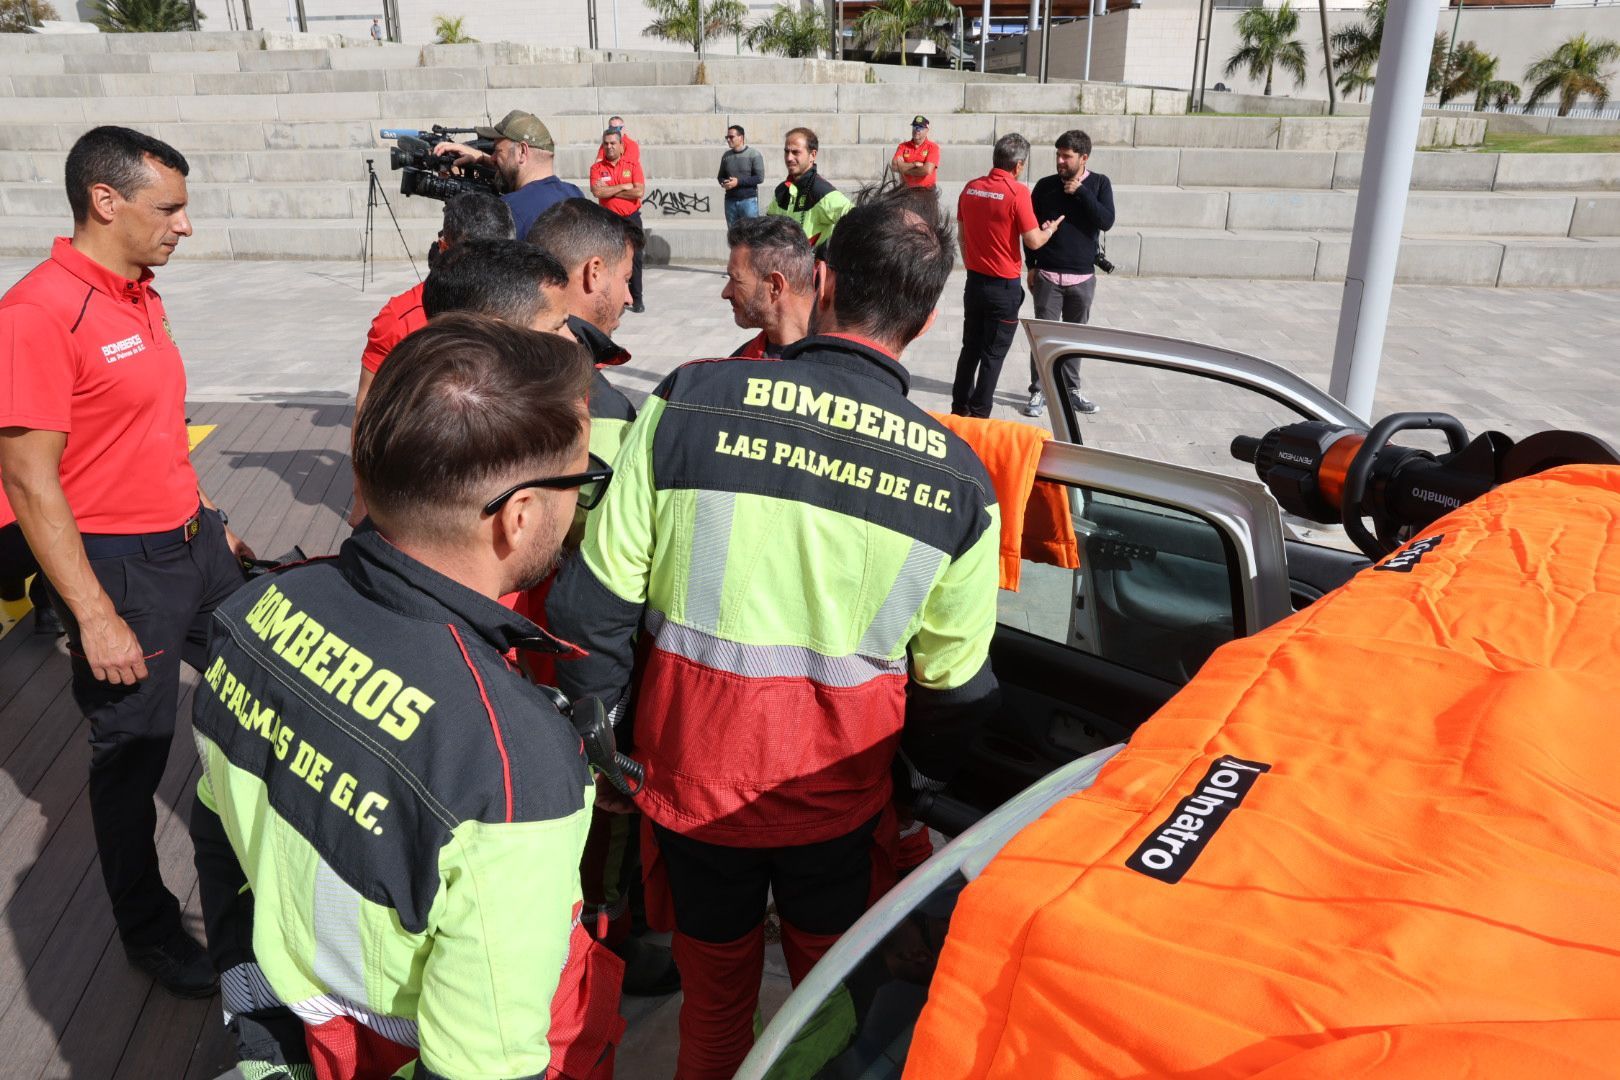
(814, 561)
(390, 815)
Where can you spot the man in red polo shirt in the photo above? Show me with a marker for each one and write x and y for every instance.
(916, 161)
(95, 463)
(474, 216)
(618, 184)
(995, 222)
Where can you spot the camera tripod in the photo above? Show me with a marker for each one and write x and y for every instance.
(368, 242)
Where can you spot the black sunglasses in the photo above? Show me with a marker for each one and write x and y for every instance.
(591, 483)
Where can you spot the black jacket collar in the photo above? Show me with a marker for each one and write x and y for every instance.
(852, 354)
(602, 348)
(386, 575)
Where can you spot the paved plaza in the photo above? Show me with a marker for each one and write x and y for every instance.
(1515, 359)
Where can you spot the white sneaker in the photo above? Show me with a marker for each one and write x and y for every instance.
(1082, 404)
(1036, 404)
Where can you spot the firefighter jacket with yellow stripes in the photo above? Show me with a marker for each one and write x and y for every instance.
(407, 809)
(812, 561)
(611, 411)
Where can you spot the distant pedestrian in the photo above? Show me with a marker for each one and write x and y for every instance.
(1062, 275)
(742, 170)
(632, 149)
(805, 196)
(376, 31)
(618, 184)
(916, 161)
(995, 222)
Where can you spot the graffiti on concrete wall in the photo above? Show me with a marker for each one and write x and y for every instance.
(677, 203)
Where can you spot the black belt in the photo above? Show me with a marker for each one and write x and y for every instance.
(111, 546)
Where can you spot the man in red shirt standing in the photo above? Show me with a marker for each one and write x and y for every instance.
(618, 184)
(474, 216)
(632, 149)
(95, 462)
(995, 222)
(916, 161)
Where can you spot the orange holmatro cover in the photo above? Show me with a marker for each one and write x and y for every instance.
(1424, 883)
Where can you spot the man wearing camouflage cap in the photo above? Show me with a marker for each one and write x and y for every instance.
(524, 156)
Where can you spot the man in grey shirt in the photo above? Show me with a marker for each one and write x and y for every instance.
(742, 170)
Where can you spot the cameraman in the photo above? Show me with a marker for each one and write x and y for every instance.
(525, 157)
(1062, 273)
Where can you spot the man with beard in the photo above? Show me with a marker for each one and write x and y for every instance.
(1062, 274)
(524, 155)
(805, 196)
(771, 283)
(378, 777)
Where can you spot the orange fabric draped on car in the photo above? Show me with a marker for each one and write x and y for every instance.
(1376, 839)
(1035, 521)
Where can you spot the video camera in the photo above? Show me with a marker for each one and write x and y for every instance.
(1337, 475)
(427, 173)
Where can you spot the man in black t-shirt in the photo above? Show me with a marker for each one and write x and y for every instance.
(1062, 273)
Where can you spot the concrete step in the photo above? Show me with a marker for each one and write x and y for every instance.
(1429, 260)
(1583, 214)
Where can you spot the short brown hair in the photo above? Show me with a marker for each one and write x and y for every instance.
(811, 143)
(463, 406)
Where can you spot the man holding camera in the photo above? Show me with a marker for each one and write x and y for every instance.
(1062, 273)
(524, 155)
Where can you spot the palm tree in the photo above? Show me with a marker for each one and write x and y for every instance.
(887, 26)
(1355, 79)
(789, 31)
(142, 16)
(1573, 69)
(1356, 47)
(695, 22)
(1268, 40)
(16, 16)
(1498, 93)
(449, 30)
(1470, 68)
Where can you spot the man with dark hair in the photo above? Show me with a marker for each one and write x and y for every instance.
(1062, 275)
(742, 170)
(632, 149)
(771, 283)
(377, 776)
(618, 184)
(508, 280)
(806, 196)
(813, 562)
(473, 216)
(597, 249)
(996, 222)
(95, 465)
(524, 156)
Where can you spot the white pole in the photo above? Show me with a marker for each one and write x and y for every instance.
(615, 24)
(984, 37)
(1386, 178)
(1091, 16)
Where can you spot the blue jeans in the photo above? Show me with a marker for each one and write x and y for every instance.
(737, 210)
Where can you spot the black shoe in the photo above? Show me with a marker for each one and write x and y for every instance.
(179, 965)
(638, 308)
(1082, 404)
(649, 969)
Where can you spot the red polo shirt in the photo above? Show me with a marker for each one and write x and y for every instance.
(87, 352)
(993, 214)
(910, 153)
(400, 316)
(632, 150)
(624, 171)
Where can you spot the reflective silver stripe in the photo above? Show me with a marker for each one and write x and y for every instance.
(244, 989)
(767, 661)
(706, 572)
(316, 1011)
(911, 586)
(340, 958)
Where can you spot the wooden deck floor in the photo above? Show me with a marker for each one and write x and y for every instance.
(70, 1004)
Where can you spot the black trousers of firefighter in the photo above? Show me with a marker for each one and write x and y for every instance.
(989, 320)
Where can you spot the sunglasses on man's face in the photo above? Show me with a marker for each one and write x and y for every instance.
(591, 484)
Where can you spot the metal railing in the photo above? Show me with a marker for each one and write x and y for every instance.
(1610, 111)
